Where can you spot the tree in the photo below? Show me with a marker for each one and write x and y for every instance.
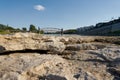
(24, 29)
(32, 28)
(41, 32)
(70, 31)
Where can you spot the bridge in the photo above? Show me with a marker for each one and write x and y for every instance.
(51, 30)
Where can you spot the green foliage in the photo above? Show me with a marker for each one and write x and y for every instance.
(24, 29)
(4, 32)
(5, 29)
(18, 30)
(116, 32)
(32, 28)
(71, 31)
(41, 32)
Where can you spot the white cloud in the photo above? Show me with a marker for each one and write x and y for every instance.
(39, 7)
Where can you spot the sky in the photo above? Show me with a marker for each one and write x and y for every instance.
(66, 14)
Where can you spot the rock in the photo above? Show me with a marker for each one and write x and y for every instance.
(115, 72)
(31, 41)
(109, 53)
(33, 67)
(54, 47)
(84, 46)
(113, 40)
(111, 57)
(72, 57)
(2, 49)
(52, 77)
(76, 39)
(80, 47)
(84, 76)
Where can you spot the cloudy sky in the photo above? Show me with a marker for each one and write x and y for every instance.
(57, 13)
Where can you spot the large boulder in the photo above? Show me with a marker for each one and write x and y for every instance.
(30, 41)
(34, 67)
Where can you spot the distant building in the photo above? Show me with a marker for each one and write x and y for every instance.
(101, 28)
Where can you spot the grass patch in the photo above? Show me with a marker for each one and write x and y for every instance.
(4, 32)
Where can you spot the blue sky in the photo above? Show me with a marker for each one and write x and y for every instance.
(65, 14)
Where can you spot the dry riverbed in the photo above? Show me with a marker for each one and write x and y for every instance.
(29, 56)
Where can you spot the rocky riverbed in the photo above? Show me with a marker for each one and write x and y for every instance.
(29, 56)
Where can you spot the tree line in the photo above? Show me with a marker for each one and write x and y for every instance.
(6, 29)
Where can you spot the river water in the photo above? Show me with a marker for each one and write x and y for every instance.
(62, 35)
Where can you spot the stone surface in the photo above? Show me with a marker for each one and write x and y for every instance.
(30, 41)
(84, 46)
(33, 66)
(41, 57)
